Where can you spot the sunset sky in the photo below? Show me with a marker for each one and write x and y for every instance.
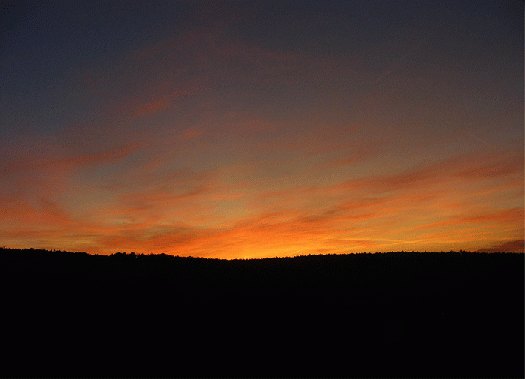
(239, 129)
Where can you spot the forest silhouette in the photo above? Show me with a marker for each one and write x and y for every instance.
(384, 314)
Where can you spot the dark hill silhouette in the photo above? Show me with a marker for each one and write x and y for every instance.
(392, 314)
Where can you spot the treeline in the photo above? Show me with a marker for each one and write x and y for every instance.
(384, 314)
(303, 273)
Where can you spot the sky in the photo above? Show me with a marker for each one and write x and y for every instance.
(248, 129)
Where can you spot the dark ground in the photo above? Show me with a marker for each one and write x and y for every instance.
(367, 315)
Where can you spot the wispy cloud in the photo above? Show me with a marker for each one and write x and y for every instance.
(516, 246)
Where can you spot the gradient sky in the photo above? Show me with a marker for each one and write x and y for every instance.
(240, 129)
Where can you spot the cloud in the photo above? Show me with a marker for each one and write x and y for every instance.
(53, 157)
(338, 163)
(473, 167)
(516, 246)
(155, 208)
(33, 186)
(190, 133)
(152, 107)
(489, 166)
(511, 216)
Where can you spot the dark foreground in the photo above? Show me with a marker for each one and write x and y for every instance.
(371, 315)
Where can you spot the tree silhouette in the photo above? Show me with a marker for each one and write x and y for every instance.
(391, 314)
